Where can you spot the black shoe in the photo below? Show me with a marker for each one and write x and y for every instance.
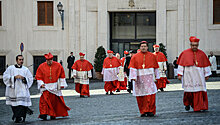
(18, 120)
(129, 90)
(106, 93)
(82, 96)
(52, 118)
(187, 108)
(161, 89)
(44, 117)
(111, 93)
(150, 114)
(117, 90)
(143, 115)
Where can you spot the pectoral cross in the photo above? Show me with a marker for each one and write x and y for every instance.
(143, 62)
(50, 74)
(110, 65)
(195, 59)
(80, 69)
(196, 63)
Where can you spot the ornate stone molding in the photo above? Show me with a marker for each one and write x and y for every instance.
(42, 52)
(131, 3)
(4, 51)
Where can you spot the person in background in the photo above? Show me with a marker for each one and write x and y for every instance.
(161, 59)
(70, 62)
(110, 71)
(212, 60)
(126, 69)
(175, 66)
(81, 73)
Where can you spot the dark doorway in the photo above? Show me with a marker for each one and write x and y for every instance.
(129, 28)
(40, 59)
(2, 64)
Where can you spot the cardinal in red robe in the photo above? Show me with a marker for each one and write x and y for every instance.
(143, 67)
(122, 76)
(110, 71)
(51, 79)
(81, 73)
(194, 70)
(161, 60)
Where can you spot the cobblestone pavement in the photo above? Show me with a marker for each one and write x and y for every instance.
(122, 108)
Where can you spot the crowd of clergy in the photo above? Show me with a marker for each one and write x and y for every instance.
(139, 72)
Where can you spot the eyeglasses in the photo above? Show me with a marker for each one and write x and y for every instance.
(194, 45)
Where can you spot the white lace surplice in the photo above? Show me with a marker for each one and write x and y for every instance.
(144, 84)
(17, 93)
(193, 78)
(110, 74)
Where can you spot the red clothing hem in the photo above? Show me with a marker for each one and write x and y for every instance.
(110, 85)
(83, 89)
(146, 103)
(197, 100)
(161, 83)
(52, 105)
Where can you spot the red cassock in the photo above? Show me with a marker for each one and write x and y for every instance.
(197, 100)
(140, 61)
(161, 83)
(84, 65)
(110, 77)
(51, 104)
(121, 85)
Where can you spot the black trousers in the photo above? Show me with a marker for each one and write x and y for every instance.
(19, 111)
(214, 74)
(130, 85)
(70, 70)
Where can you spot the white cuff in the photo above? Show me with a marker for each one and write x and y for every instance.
(39, 83)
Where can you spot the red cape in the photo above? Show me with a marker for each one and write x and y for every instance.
(84, 65)
(137, 61)
(44, 73)
(123, 61)
(160, 57)
(111, 63)
(187, 58)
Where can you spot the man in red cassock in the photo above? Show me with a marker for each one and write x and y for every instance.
(81, 73)
(194, 70)
(51, 78)
(122, 77)
(143, 67)
(161, 60)
(110, 71)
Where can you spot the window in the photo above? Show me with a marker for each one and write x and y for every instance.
(216, 11)
(0, 13)
(129, 28)
(2, 65)
(45, 13)
(218, 61)
(40, 59)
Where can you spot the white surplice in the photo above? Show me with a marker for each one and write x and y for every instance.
(17, 93)
(212, 60)
(144, 84)
(110, 74)
(193, 78)
(82, 77)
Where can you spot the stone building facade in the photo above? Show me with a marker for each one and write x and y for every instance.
(115, 24)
